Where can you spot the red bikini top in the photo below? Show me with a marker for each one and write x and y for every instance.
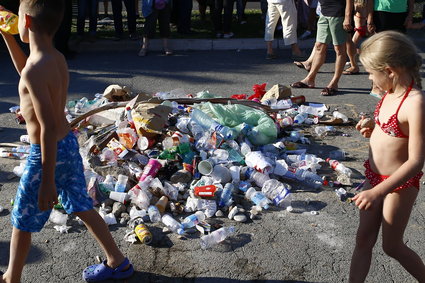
(392, 127)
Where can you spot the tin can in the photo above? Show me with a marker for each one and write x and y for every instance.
(143, 233)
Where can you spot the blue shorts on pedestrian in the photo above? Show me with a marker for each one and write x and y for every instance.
(69, 180)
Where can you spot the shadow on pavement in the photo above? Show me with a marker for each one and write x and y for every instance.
(11, 135)
(150, 277)
(35, 254)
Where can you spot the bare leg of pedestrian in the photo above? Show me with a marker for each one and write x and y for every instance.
(352, 55)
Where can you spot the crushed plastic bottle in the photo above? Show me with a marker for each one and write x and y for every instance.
(339, 115)
(323, 130)
(258, 198)
(193, 219)
(216, 237)
(276, 191)
(172, 224)
(226, 195)
(154, 214)
(207, 123)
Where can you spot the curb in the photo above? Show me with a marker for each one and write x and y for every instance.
(418, 36)
(188, 44)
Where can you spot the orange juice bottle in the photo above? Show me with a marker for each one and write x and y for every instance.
(9, 22)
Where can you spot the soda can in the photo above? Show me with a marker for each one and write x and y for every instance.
(143, 233)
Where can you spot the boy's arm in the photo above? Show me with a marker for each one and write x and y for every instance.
(19, 58)
(43, 108)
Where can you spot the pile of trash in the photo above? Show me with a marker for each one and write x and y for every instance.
(181, 159)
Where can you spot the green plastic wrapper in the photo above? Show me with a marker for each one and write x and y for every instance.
(264, 130)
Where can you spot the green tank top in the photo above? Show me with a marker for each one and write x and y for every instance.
(392, 6)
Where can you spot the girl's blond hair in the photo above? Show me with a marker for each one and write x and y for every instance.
(391, 49)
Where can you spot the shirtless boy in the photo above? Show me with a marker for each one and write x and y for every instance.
(54, 166)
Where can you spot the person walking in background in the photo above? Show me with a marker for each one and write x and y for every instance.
(105, 10)
(224, 14)
(396, 153)
(333, 24)
(240, 11)
(183, 15)
(362, 11)
(156, 11)
(87, 8)
(285, 10)
(390, 15)
(131, 19)
(62, 36)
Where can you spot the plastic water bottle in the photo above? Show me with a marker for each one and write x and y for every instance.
(257, 177)
(337, 114)
(121, 184)
(172, 224)
(308, 158)
(276, 191)
(339, 167)
(208, 123)
(216, 237)
(226, 195)
(258, 198)
(323, 130)
(154, 214)
(300, 118)
(193, 219)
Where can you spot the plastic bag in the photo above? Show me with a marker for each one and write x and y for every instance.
(263, 130)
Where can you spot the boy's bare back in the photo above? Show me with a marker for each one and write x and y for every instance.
(43, 93)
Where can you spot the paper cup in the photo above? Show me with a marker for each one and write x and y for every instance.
(118, 196)
(205, 167)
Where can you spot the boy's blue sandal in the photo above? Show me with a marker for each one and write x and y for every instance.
(100, 272)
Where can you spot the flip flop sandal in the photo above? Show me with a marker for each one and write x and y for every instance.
(328, 91)
(349, 72)
(301, 65)
(101, 272)
(301, 85)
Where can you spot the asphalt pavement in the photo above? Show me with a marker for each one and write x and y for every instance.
(278, 247)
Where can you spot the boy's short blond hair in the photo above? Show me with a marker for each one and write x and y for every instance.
(47, 14)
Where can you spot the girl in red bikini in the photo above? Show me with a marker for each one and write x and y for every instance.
(396, 153)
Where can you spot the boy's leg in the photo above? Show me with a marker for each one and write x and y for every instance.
(367, 233)
(396, 213)
(97, 227)
(20, 244)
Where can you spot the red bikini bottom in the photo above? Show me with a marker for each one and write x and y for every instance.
(374, 178)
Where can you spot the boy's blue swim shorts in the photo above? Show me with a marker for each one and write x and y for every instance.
(70, 185)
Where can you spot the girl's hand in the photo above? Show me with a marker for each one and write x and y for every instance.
(365, 127)
(366, 199)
